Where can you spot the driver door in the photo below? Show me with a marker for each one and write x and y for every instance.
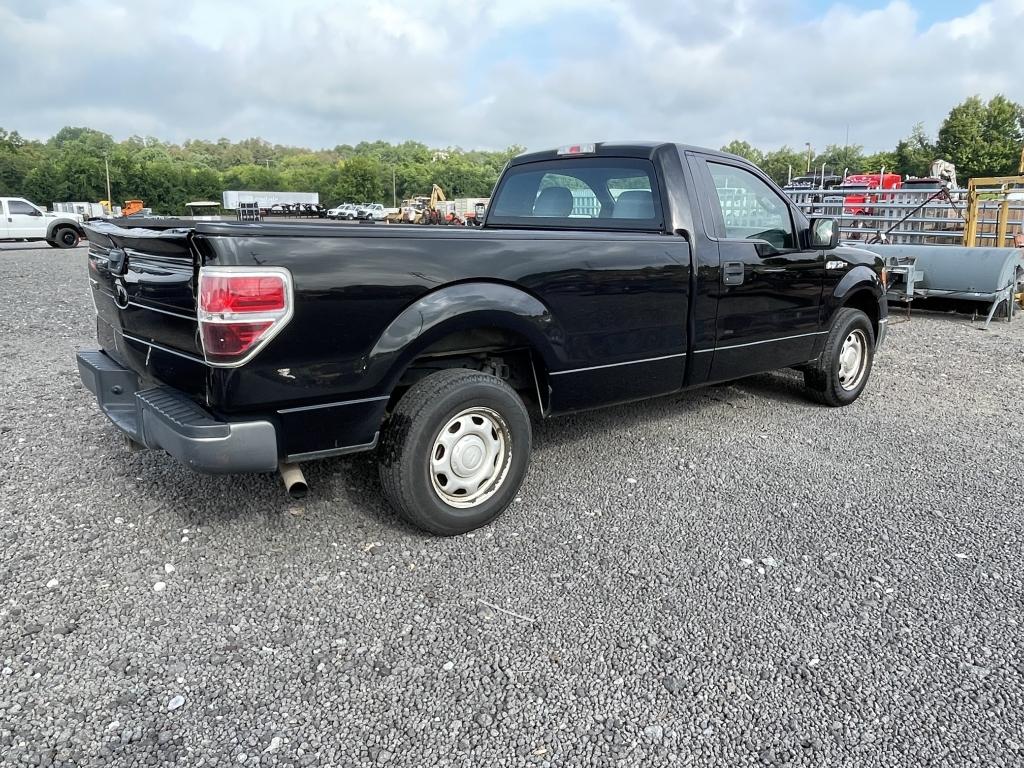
(769, 285)
(24, 220)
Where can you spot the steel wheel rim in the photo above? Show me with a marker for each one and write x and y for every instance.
(853, 360)
(69, 238)
(470, 457)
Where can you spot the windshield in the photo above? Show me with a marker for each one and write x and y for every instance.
(579, 193)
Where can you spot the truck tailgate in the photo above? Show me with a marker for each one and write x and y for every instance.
(143, 283)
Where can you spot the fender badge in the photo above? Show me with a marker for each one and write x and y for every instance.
(835, 264)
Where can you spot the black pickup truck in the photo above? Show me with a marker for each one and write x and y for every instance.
(603, 273)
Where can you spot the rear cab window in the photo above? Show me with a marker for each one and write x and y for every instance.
(579, 193)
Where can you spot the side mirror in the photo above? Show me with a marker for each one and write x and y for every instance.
(824, 234)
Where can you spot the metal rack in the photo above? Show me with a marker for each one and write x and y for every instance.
(919, 217)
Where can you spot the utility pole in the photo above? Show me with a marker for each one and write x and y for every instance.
(110, 202)
(394, 189)
(808, 145)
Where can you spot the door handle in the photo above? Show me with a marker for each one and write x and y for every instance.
(732, 272)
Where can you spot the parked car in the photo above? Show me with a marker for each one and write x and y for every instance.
(216, 341)
(22, 220)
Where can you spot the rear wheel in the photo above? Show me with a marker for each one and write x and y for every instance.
(455, 451)
(839, 376)
(65, 237)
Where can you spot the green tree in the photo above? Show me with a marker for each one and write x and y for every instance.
(983, 139)
(913, 155)
(252, 178)
(359, 180)
(879, 160)
(840, 159)
(17, 158)
(303, 173)
(782, 162)
(745, 150)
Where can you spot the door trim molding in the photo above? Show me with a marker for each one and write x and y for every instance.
(615, 365)
(763, 341)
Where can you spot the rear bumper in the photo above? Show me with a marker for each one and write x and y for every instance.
(163, 418)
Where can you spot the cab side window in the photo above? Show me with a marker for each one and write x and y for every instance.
(750, 209)
(20, 206)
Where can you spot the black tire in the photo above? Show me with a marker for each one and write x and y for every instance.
(412, 437)
(824, 379)
(65, 237)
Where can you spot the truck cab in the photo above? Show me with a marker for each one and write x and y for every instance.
(858, 193)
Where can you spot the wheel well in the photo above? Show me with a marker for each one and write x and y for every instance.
(866, 302)
(498, 351)
(59, 225)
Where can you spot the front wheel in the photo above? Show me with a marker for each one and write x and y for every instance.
(65, 237)
(455, 451)
(839, 376)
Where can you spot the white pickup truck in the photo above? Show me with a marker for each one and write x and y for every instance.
(372, 212)
(22, 220)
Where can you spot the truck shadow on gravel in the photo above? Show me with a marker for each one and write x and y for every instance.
(761, 390)
(350, 486)
(354, 478)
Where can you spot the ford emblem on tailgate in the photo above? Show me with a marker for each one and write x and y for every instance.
(120, 295)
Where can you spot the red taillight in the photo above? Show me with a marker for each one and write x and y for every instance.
(228, 340)
(241, 310)
(223, 293)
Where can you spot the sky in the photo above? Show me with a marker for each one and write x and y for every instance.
(492, 73)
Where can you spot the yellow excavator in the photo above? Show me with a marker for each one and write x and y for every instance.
(432, 214)
(421, 209)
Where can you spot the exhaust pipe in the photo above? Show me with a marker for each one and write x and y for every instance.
(294, 480)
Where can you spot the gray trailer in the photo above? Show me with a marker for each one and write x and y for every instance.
(992, 277)
(266, 199)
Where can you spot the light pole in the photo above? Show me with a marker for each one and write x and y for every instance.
(808, 145)
(394, 189)
(106, 165)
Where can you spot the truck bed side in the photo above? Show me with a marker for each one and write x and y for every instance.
(589, 301)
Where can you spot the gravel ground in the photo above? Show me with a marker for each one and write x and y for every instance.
(729, 577)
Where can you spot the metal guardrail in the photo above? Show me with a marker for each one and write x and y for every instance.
(918, 220)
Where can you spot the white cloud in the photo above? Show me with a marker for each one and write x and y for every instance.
(489, 74)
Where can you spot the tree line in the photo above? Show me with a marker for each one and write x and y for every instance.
(981, 138)
(72, 165)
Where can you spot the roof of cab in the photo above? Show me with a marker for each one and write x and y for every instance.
(644, 149)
